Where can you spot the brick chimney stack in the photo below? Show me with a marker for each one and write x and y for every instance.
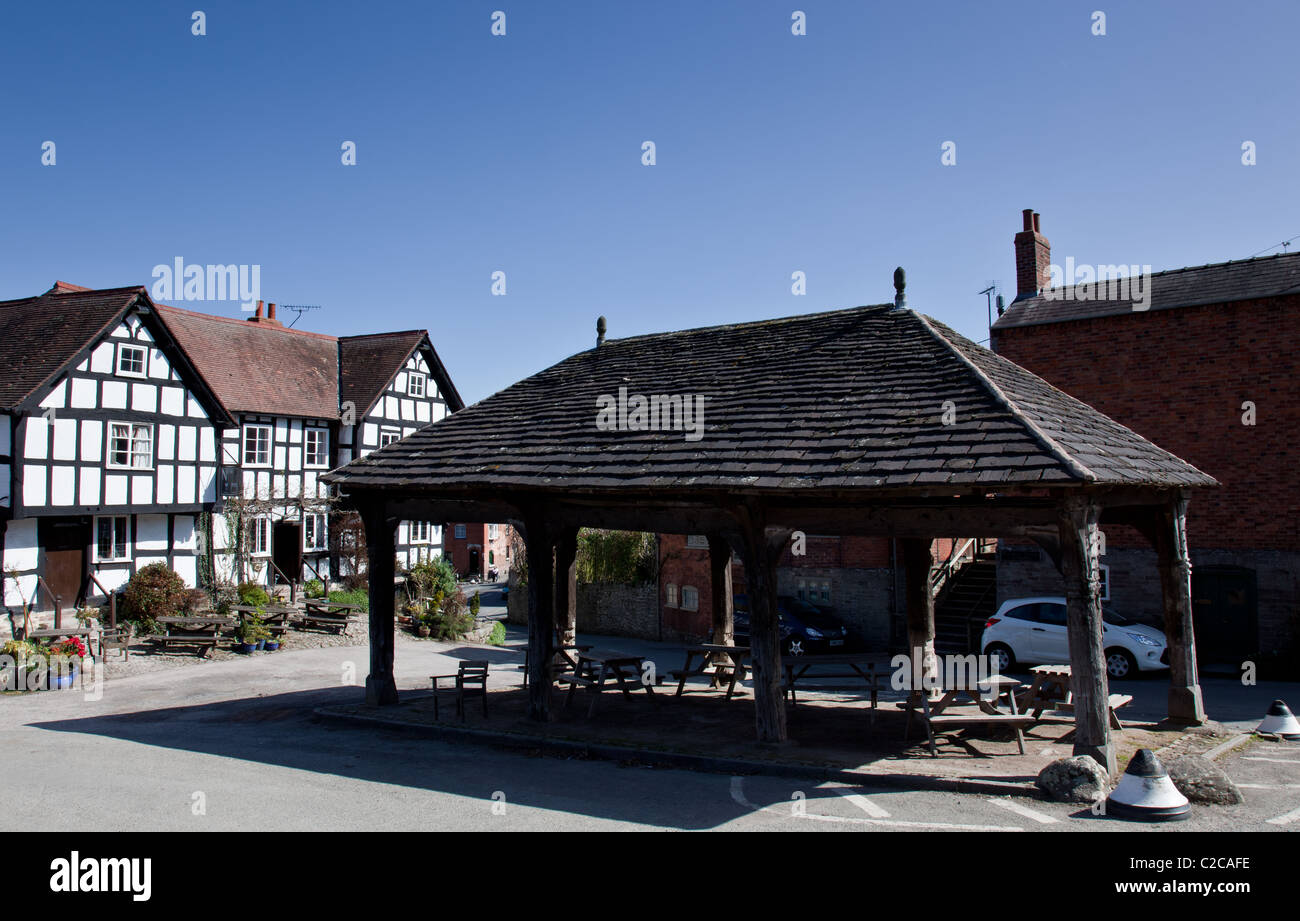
(267, 320)
(1033, 258)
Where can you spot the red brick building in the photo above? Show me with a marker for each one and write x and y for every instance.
(1209, 371)
(859, 579)
(476, 548)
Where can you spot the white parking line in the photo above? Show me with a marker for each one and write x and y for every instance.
(1023, 811)
(1269, 786)
(1273, 760)
(866, 806)
(1285, 818)
(738, 795)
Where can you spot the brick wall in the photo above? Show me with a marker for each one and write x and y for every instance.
(1179, 378)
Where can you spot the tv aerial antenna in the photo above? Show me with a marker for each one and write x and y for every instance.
(300, 309)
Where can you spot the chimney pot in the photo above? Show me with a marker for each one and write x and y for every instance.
(1029, 218)
(258, 315)
(270, 311)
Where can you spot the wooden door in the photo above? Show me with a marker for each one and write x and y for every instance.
(286, 550)
(65, 542)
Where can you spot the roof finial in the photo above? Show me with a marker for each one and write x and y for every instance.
(900, 282)
(600, 331)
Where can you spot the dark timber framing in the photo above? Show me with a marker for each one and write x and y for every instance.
(829, 423)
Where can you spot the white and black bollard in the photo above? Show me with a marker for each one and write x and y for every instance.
(1146, 794)
(1279, 721)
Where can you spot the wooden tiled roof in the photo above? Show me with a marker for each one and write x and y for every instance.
(842, 400)
(1221, 283)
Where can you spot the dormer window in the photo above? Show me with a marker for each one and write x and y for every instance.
(415, 382)
(131, 360)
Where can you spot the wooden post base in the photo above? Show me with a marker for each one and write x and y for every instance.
(381, 691)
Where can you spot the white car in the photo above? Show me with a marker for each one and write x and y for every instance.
(1032, 631)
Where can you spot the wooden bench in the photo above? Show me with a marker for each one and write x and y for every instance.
(574, 681)
(1064, 711)
(203, 643)
(713, 664)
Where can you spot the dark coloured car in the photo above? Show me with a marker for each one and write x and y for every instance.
(804, 628)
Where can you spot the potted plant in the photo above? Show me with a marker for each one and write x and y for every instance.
(251, 634)
(64, 662)
(19, 658)
(272, 642)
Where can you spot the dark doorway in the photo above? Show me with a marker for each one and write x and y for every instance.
(286, 551)
(473, 561)
(1225, 614)
(65, 541)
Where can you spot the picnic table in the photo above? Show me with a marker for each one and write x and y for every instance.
(327, 615)
(713, 661)
(596, 665)
(62, 633)
(1050, 691)
(841, 665)
(935, 717)
(203, 633)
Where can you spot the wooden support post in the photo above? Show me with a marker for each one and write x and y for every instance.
(381, 689)
(566, 586)
(1080, 565)
(541, 616)
(920, 611)
(724, 620)
(1176, 588)
(761, 551)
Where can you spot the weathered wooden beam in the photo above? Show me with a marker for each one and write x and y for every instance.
(540, 543)
(917, 561)
(381, 689)
(1176, 590)
(724, 619)
(1080, 565)
(760, 554)
(566, 585)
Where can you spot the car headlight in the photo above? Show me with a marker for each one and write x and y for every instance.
(1144, 639)
(813, 633)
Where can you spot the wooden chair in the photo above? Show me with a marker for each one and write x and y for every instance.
(115, 639)
(470, 678)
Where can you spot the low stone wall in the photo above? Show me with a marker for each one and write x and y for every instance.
(608, 608)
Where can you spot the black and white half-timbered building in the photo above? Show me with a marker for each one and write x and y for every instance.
(133, 432)
(304, 403)
(108, 436)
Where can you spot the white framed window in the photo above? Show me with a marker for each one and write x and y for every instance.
(670, 595)
(415, 381)
(697, 541)
(460, 532)
(130, 445)
(690, 598)
(388, 436)
(316, 447)
(132, 360)
(314, 532)
(814, 591)
(420, 532)
(111, 540)
(259, 536)
(1104, 580)
(257, 445)
(492, 532)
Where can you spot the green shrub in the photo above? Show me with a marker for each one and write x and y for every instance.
(154, 591)
(254, 595)
(314, 588)
(357, 596)
(475, 604)
(615, 556)
(431, 577)
(498, 635)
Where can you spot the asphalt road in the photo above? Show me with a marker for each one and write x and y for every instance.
(233, 745)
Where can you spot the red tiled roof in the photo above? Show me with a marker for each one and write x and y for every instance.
(369, 362)
(260, 367)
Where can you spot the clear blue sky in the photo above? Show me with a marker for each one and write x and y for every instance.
(522, 153)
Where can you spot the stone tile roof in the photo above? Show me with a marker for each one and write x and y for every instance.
(841, 400)
(1221, 283)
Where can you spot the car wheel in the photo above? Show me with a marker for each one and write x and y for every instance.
(1002, 657)
(795, 647)
(1120, 664)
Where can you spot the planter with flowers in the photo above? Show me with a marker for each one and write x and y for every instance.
(19, 666)
(64, 660)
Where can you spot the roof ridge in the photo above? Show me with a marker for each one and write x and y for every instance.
(1186, 268)
(750, 324)
(396, 332)
(244, 324)
(1047, 441)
